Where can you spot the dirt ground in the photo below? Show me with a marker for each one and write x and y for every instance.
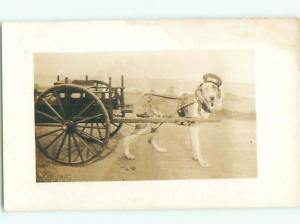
(229, 146)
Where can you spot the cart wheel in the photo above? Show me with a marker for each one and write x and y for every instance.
(61, 114)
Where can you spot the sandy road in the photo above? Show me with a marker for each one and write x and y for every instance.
(229, 146)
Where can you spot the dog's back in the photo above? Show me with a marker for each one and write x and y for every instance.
(164, 105)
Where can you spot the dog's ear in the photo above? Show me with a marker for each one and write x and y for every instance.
(219, 95)
(219, 100)
(198, 93)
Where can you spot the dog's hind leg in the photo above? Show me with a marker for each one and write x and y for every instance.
(196, 147)
(153, 143)
(139, 130)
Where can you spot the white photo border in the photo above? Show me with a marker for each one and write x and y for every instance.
(277, 80)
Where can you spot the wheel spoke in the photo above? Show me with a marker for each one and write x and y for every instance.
(52, 109)
(76, 157)
(54, 140)
(47, 125)
(98, 128)
(88, 118)
(104, 125)
(88, 126)
(60, 147)
(59, 103)
(91, 131)
(49, 96)
(69, 148)
(65, 156)
(83, 128)
(47, 115)
(86, 145)
(77, 148)
(87, 152)
(95, 149)
(67, 103)
(84, 109)
(114, 124)
(90, 136)
(49, 133)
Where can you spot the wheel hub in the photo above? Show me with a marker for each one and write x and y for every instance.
(69, 126)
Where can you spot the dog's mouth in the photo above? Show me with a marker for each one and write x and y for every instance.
(211, 105)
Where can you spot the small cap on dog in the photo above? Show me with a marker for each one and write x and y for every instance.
(212, 78)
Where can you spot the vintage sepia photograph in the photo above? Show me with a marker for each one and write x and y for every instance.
(145, 115)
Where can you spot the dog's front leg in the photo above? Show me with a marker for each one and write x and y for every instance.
(196, 147)
(153, 142)
(139, 130)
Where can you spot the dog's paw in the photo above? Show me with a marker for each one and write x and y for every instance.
(204, 163)
(159, 149)
(130, 156)
(194, 157)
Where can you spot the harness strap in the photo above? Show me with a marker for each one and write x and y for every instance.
(162, 96)
(181, 110)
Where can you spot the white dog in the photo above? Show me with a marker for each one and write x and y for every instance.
(205, 100)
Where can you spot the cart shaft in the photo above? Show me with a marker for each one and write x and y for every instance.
(162, 120)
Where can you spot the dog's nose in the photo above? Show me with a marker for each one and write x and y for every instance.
(212, 98)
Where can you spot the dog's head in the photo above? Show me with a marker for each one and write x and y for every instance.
(209, 93)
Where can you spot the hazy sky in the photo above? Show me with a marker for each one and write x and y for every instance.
(231, 65)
